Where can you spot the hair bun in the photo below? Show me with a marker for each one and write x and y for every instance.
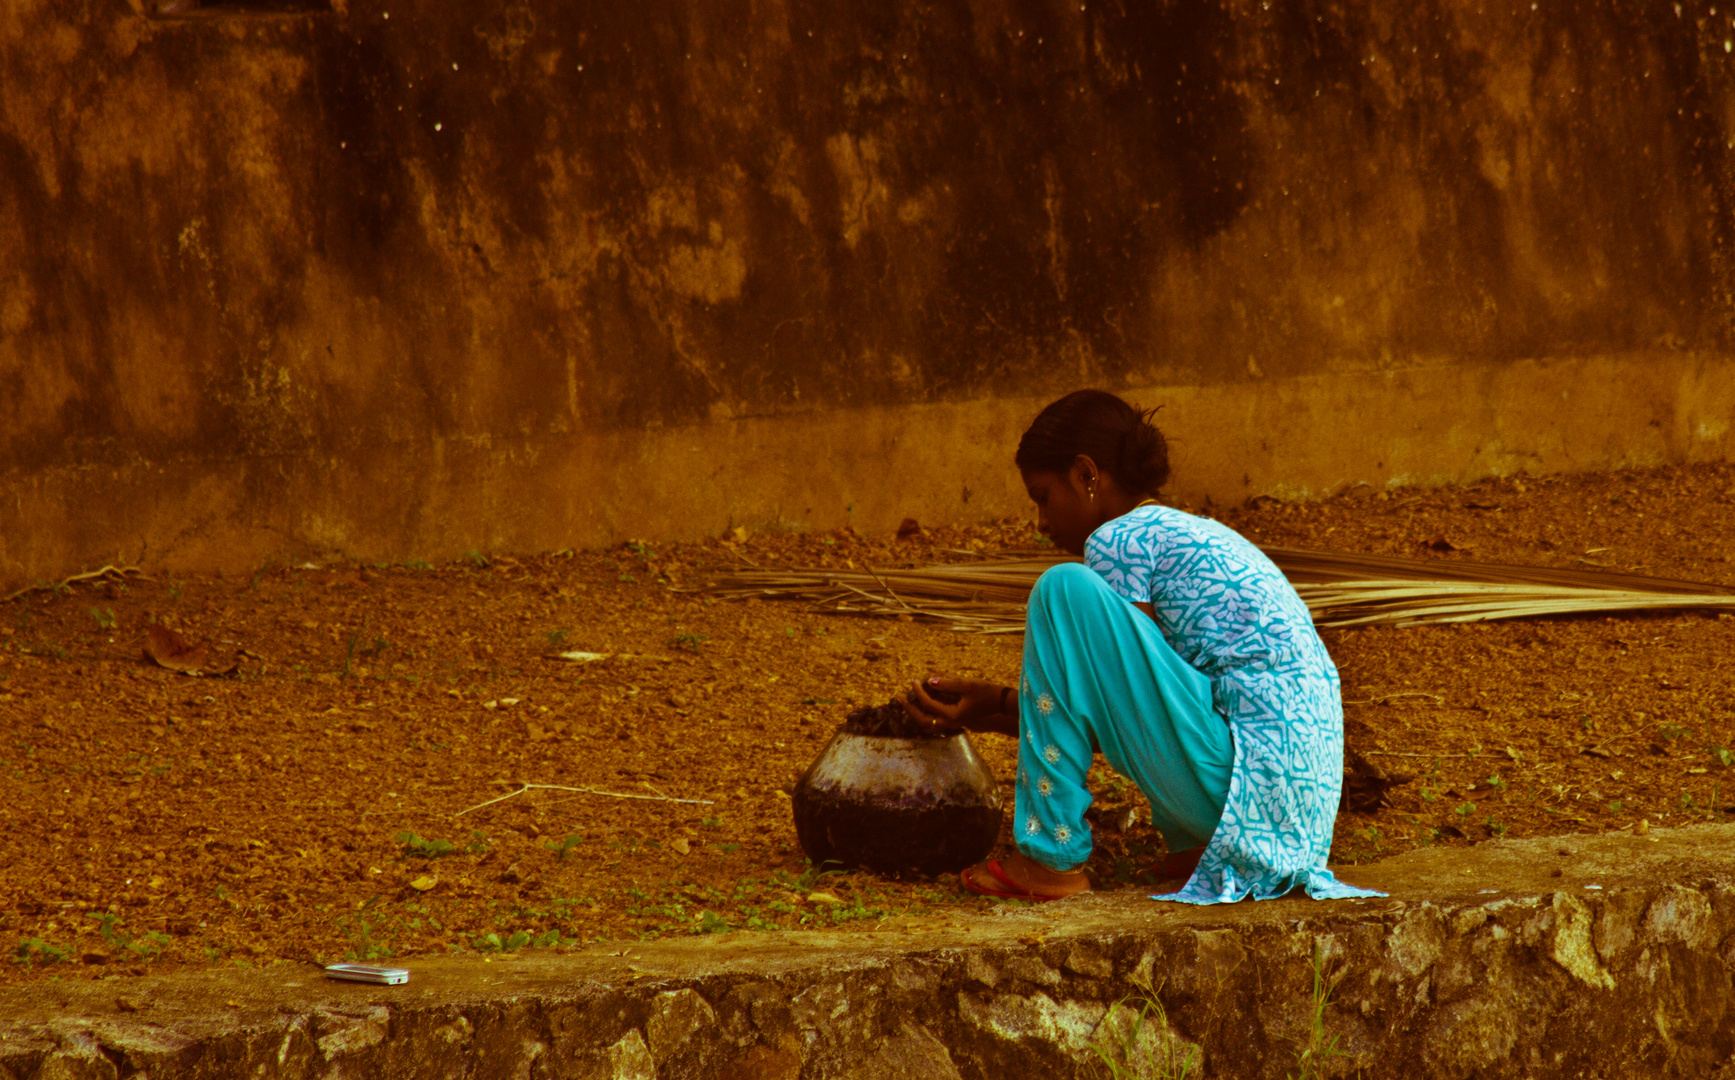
(1143, 463)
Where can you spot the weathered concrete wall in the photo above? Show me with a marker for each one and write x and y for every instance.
(1587, 957)
(403, 278)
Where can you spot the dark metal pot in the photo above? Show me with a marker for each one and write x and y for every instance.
(895, 805)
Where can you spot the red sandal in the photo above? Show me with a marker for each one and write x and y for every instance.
(1012, 890)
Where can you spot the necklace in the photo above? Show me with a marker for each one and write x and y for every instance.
(1146, 502)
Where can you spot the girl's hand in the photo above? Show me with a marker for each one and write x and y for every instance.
(977, 705)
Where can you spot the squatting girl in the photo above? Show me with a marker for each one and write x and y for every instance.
(1178, 651)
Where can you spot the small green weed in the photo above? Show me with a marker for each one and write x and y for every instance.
(1321, 1045)
(556, 638)
(423, 848)
(1120, 1052)
(478, 842)
(811, 877)
(145, 948)
(511, 943)
(104, 618)
(1431, 782)
(477, 559)
(563, 848)
(1724, 757)
(358, 927)
(417, 565)
(688, 641)
(33, 951)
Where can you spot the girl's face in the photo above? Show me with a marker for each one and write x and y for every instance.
(1063, 513)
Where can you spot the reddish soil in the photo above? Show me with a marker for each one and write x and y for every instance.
(308, 807)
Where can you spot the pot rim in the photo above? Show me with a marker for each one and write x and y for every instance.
(903, 738)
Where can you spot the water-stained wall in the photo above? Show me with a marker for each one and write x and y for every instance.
(411, 277)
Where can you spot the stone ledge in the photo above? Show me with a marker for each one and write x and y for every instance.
(1509, 959)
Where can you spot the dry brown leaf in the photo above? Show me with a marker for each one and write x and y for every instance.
(172, 651)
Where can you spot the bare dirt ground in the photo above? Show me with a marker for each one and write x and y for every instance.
(308, 806)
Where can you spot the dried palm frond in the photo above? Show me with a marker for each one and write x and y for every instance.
(1340, 590)
(1409, 603)
(1303, 565)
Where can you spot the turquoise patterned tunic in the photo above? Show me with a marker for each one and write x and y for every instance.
(1227, 611)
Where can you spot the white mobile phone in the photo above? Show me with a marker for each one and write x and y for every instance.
(384, 976)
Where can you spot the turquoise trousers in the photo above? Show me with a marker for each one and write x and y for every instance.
(1098, 675)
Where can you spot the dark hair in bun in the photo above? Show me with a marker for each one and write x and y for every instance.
(1118, 437)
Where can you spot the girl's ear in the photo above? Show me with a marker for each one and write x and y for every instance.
(1085, 475)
